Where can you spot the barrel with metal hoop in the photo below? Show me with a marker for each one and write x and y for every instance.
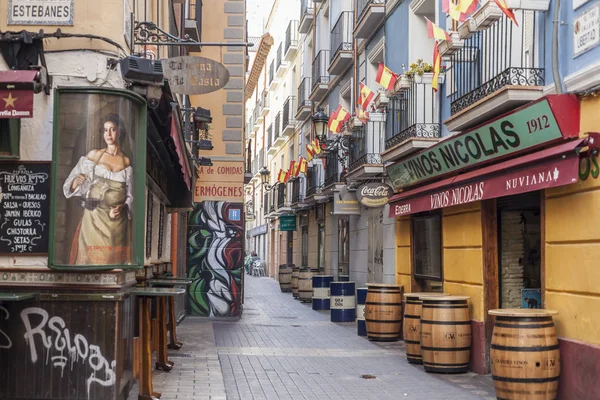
(320, 297)
(525, 356)
(383, 312)
(361, 299)
(295, 273)
(445, 334)
(343, 302)
(305, 284)
(285, 277)
(412, 325)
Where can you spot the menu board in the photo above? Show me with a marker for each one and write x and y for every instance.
(24, 207)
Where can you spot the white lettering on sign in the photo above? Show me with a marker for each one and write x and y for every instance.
(457, 196)
(5, 342)
(585, 31)
(533, 179)
(402, 209)
(379, 191)
(40, 12)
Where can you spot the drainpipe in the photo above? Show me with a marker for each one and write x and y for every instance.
(555, 26)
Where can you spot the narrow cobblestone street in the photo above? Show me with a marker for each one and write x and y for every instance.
(282, 349)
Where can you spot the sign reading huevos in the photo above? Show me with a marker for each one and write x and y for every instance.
(374, 194)
(194, 75)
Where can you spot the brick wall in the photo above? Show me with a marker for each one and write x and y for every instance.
(512, 248)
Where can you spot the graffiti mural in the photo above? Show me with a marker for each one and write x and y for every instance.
(215, 259)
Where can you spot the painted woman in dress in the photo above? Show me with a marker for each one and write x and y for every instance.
(103, 179)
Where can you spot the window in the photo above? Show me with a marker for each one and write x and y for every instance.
(9, 137)
(427, 247)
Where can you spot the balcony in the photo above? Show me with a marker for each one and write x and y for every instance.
(365, 159)
(498, 69)
(259, 118)
(298, 192)
(313, 186)
(332, 170)
(250, 132)
(341, 44)
(308, 15)
(412, 121)
(282, 65)
(193, 23)
(257, 164)
(371, 16)
(320, 76)
(266, 103)
(304, 103)
(271, 149)
(291, 41)
(288, 121)
(273, 80)
(278, 138)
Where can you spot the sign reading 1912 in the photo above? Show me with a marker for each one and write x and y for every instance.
(194, 75)
(24, 207)
(521, 130)
(40, 12)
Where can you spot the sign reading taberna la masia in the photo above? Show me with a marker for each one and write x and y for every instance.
(40, 12)
(194, 75)
(514, 132)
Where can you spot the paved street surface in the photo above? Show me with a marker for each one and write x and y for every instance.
(282, 349)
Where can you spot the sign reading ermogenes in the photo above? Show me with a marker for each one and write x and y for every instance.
(40, 12)
(24, 208)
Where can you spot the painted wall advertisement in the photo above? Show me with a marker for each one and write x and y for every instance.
(223, 181)
(95, 151)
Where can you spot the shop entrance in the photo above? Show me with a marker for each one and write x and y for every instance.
(519, 251)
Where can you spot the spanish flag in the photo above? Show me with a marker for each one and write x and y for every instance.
(437, 64)
(435, 32)
(292, 170)
(366, 95)
(461, 10)
(310, 152)
(339, 117)
(302, 166)
(316, 146)
(385, 77)
(362, 115)
(331, 124)
(281, 176)
(507, 11)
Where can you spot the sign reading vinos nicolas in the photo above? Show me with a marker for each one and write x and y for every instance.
(375, 194)
(194, 75)
(523, 129)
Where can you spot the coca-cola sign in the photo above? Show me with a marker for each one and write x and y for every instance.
(374, 194)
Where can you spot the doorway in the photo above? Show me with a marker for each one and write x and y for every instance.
(519, 251)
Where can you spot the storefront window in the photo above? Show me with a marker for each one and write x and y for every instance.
(427, 247)
(343, 245)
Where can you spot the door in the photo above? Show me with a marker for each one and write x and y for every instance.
(321, 248)
(375, 247)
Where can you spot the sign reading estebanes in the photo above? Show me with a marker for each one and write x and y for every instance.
(194, 75)
(40, 12)
(374, 194)
(524, 129)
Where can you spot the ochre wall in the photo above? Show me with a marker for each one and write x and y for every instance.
(462, 257)
(403, 253)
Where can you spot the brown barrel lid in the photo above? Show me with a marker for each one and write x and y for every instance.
(424, 294)
(522, 312)
(444, 298)
(383, 285)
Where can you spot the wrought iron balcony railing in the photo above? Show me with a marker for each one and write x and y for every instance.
(261, 159)
(320, 66)
(411, 114)
(277, 130)
(269, 136)
(314, 180)
(362, 5)
(306, 7)
(288, 111)
(271, 71)
(298, 188)
(279, 56)
(367, 149)
(304, 93)
(281, 195)
(341, 34)
(332, 174)
(266, 204)
(502, 55)
(291, 35)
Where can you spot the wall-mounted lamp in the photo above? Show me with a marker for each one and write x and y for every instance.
(264, 178)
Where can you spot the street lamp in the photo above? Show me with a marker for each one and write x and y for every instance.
(264, 177)
(321, 121)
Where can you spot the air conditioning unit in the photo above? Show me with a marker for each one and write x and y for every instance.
(142, 70)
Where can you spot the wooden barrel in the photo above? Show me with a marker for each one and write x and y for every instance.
(361, 299)
(343, 302)
(412, 325)
(320, 297)
(305, 284)
(383, 312)
(295, 273)
(525, 358)
(445, 334)
(285, 278)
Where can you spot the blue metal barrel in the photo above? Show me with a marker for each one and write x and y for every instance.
(320, 286)
(343, 302)
(361, 299)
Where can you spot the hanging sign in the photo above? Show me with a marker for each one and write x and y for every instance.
(287, 223)
(40, 12)
(374, 194)
(194, 75)
(16, 103)
(345, 203)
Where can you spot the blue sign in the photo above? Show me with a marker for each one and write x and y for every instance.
(531, 298)
(235, 214)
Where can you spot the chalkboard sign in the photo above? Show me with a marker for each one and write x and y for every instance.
(24, 207)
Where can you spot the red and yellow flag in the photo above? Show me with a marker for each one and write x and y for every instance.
(362, 115)
(437, 66)
(333, 119)
(292, 170)
(435, 32)
(302, 166)
(310, 151)
(366, 95)
(281, 176)
(316, 146)
(507, 11)
(459, 11)
(337, 119)
(385, 77)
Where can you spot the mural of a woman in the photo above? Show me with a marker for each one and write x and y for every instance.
(103, 179)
